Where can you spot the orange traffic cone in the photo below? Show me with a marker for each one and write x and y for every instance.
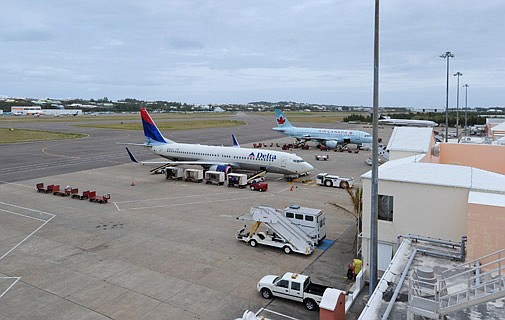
(133, 183)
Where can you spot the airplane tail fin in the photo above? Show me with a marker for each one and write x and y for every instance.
(281, 119)
(235, 141)
(151, 131)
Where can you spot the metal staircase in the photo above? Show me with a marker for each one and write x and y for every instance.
(283, 227)
(472, 283)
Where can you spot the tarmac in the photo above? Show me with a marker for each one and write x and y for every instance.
(161, 249)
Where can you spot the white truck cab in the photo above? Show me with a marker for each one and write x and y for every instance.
(292, 286)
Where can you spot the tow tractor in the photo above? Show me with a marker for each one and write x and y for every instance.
(259, 186)
(328, 180)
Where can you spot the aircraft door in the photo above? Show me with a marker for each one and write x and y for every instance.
(283, 162)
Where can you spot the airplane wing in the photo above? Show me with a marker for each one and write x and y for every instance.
(198, 162)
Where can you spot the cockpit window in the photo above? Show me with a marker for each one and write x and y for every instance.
(298, 161)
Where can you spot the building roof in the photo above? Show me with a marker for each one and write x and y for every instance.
(500, 127)
(409, 169)
(410, 139)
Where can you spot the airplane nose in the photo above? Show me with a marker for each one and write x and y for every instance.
(308, 166)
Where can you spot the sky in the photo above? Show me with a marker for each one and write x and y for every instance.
(201, 51)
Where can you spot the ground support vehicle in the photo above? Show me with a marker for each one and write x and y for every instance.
(320, 157)
(237, 179)
(217, 177)
(195, 175)
(328, 180)
(312, 221)
(56, 190)
(279, 233)
(50, 188)
(65, 192)
(292, 286)
(100, 199)
(40, 188)
(259, 186)
(175, 173)
(257, 177)
(85, 195)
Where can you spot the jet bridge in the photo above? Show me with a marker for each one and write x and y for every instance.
(285, 234)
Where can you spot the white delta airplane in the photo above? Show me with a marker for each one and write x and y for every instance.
(218, 158)
(406, 122)
(331, 138)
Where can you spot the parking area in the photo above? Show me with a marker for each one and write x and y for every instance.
(162, 249)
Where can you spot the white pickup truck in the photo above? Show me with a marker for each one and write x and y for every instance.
(328, 180)
(292, 286)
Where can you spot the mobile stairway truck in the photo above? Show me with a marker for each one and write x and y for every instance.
(280, 231)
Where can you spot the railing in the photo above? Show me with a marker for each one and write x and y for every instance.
(469, 284)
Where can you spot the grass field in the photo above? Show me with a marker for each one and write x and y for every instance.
(176, 125)
(12, 135)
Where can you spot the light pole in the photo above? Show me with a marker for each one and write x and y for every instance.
(374, 210)
(466, 106)
(457, 74)
(446, 56)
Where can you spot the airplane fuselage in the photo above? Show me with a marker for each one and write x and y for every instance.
(242, 158)
(316, 134)
(408, 122)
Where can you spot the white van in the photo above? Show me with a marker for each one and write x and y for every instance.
(311, 221)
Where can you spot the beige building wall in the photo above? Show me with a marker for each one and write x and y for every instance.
(426, 210)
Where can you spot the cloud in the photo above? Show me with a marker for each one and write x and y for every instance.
(233, 51)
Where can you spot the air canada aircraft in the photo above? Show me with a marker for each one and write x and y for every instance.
(218, 158)
(406, 122)
(331, 138)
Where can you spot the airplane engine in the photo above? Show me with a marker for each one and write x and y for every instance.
(332, 144)
(221, 167)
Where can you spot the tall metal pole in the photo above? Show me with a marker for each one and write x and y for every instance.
(466, 107)
(457, 74)
(447, 55)
(375, 157)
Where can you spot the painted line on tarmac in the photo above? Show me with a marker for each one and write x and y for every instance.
(43, 150)
(199, 202)
(12, 284)
(276, 313)
(178, 197)
(22, 215)
(51, 217)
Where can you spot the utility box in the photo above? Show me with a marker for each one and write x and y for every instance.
(195, 175)
(237, 179)
(217, 177)
(174, 173)
(332, 306)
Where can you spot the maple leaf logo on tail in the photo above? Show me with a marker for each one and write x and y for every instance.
(281, 120)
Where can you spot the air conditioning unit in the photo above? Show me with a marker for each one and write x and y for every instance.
(435, 151)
